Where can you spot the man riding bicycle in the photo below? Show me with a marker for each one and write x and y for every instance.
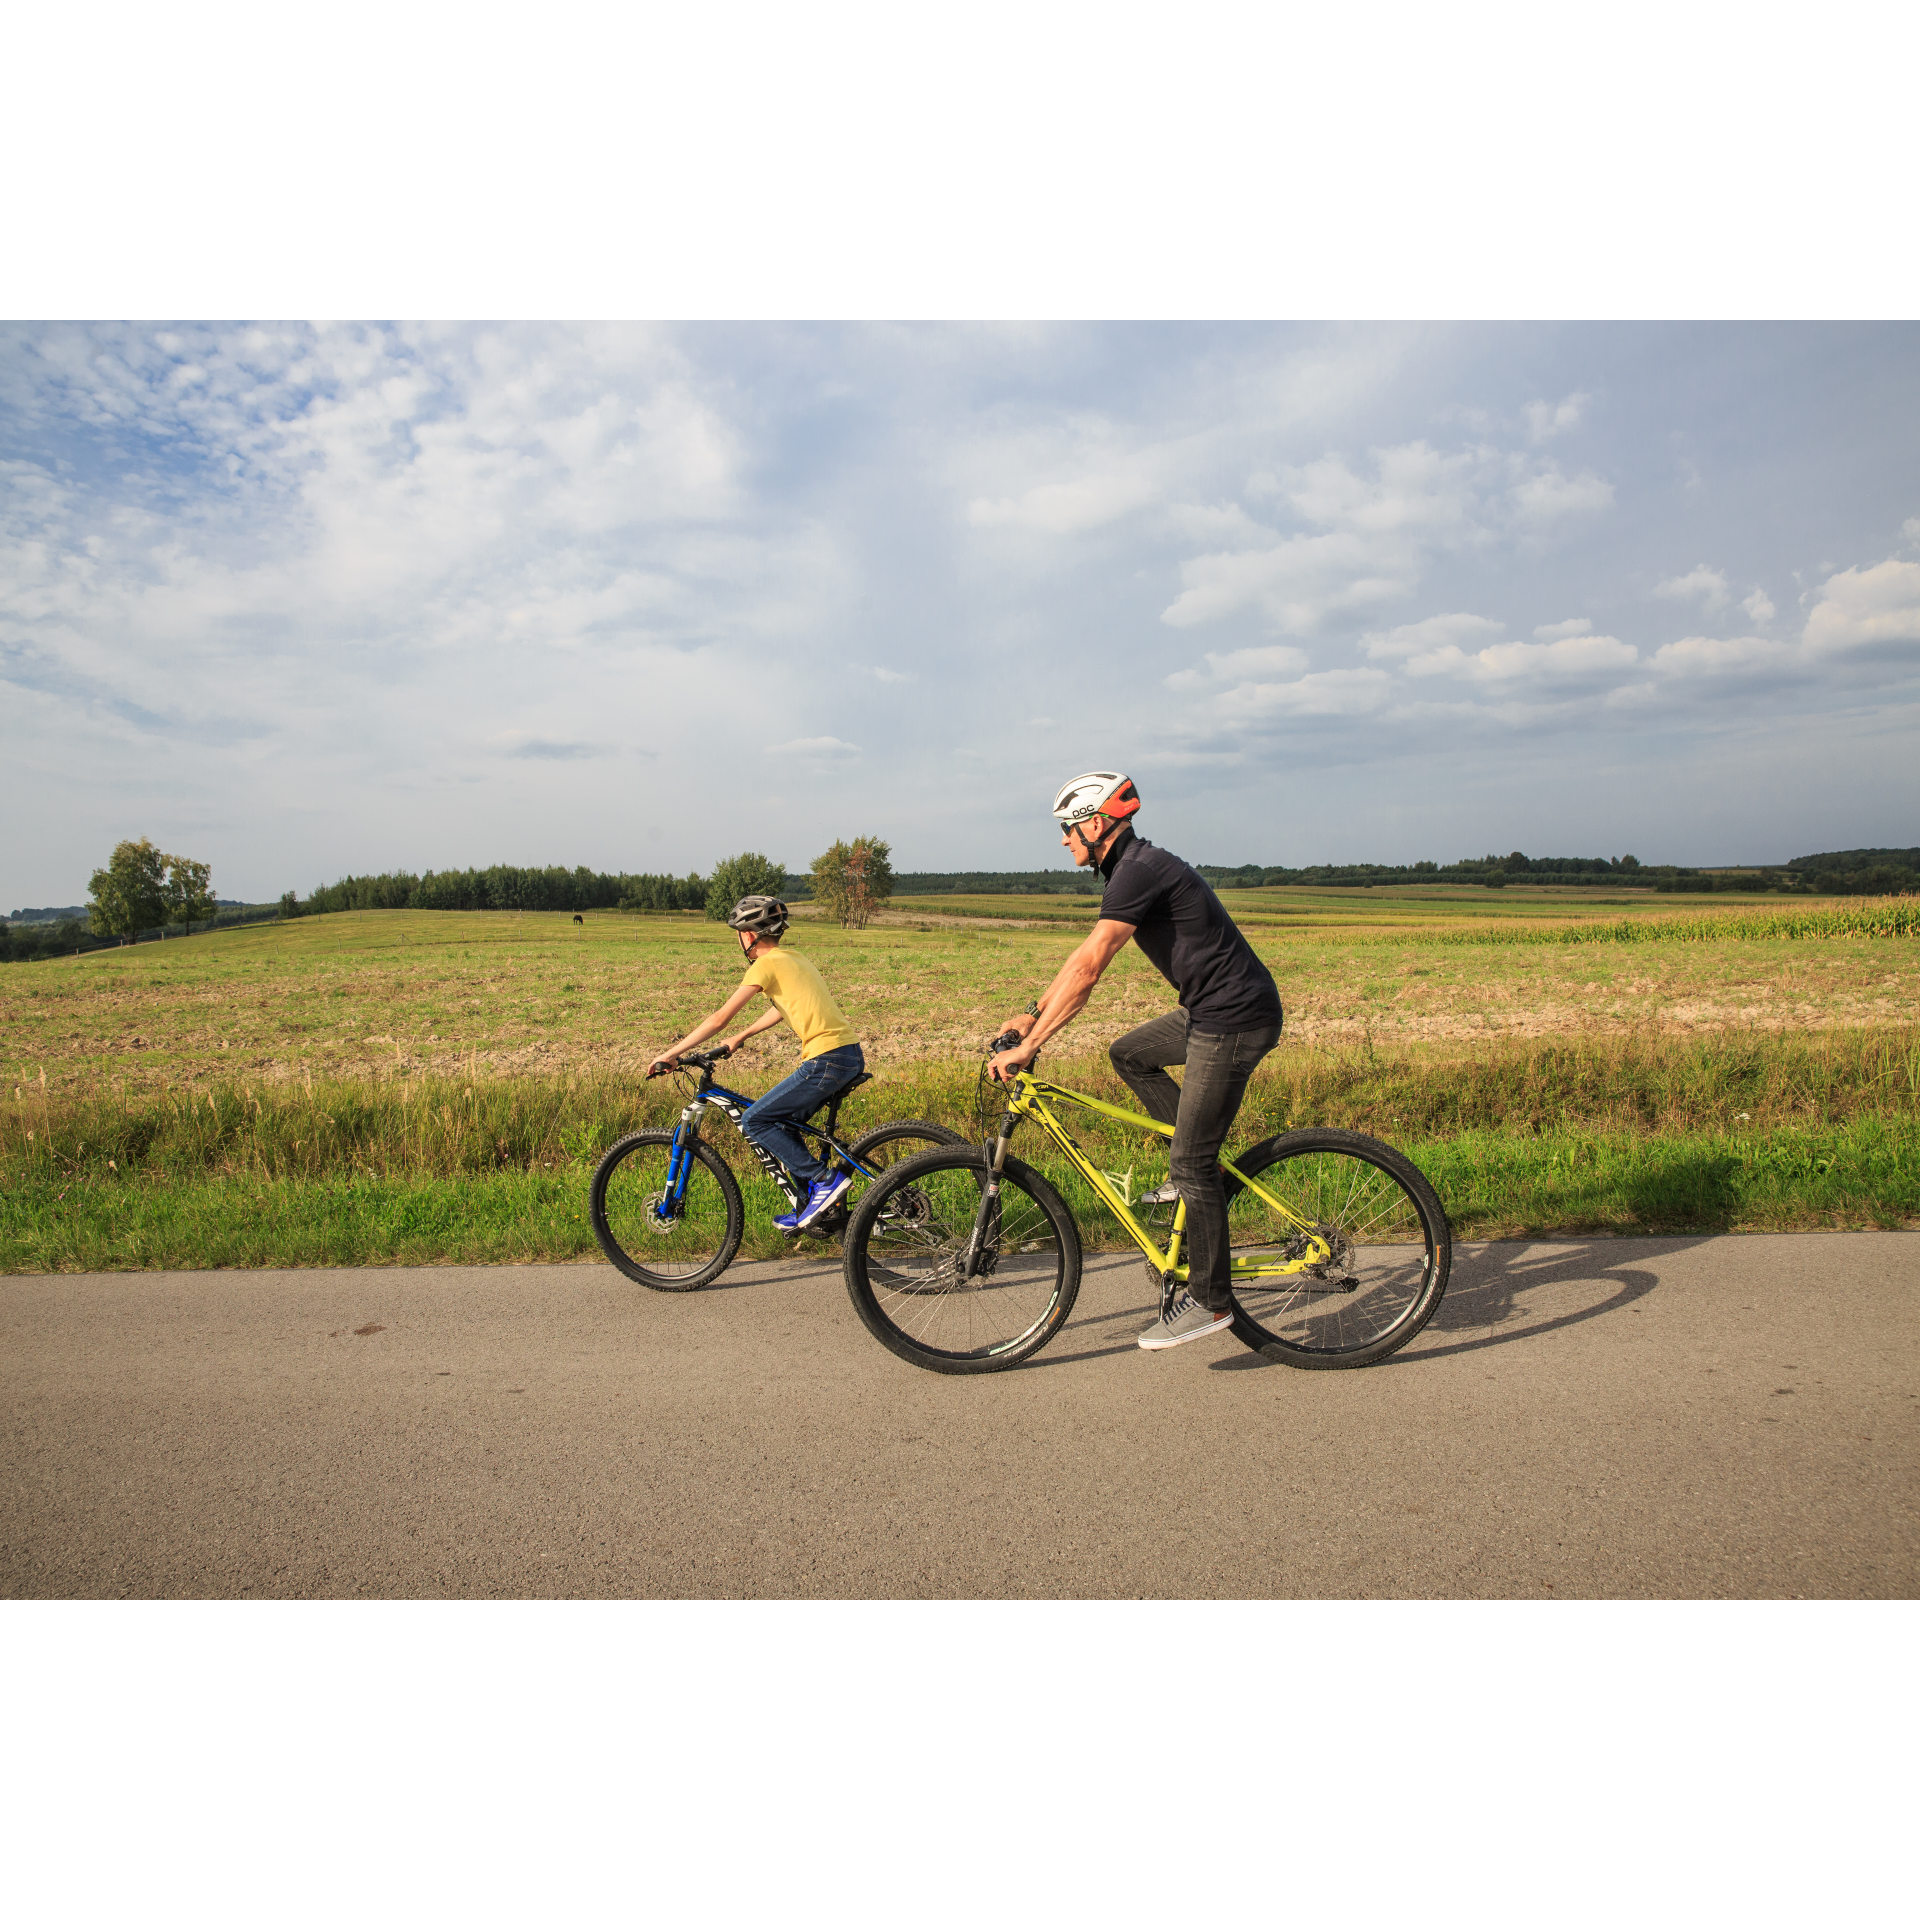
(830, 1056)
(1227, 1022)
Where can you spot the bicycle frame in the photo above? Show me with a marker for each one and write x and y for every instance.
(1028, 1102)
(734, 1106)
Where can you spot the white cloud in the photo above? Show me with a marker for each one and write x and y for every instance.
(1706, 584)
(1377, 531)
(1704, 656)
(1544, 421)
(1423, 636)
(1910, 532)
(1856, 609)
(1340, 690)
(1583, 655)
(1550, 498)
(1296, 585)
(888, 678)
(1243, 666)
(1563, 630)
(519, 745)
(1227, 526)
(1257, 663)
(821, 746)
(1758, 607)
(1068, 506)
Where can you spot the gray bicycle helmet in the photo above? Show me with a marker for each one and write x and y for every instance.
(758, 913)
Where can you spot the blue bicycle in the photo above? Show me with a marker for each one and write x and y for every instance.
(667, 1209)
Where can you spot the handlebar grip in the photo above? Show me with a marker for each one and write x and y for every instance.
(1004, 1043)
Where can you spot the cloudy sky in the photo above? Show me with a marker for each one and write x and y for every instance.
(305, 600)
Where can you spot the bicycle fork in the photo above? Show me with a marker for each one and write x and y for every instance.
(680, 1162)
(989, 1202)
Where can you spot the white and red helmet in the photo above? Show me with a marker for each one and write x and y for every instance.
(1089, 793)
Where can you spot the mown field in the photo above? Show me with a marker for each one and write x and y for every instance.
(421, 1086)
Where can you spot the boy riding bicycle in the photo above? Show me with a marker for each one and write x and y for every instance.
(830, 1056)
(1228, 1021)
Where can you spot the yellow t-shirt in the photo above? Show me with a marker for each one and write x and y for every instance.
(792, 982)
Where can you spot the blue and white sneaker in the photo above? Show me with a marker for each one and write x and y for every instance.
(821, 1194)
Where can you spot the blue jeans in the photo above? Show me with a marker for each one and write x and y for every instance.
(766, 1122)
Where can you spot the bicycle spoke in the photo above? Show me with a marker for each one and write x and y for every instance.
(1378, 1275)
(658, 1236)
(915, 1274)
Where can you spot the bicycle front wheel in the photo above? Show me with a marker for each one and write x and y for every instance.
(1388, 1254)
(906, 1260)
(675, 1246)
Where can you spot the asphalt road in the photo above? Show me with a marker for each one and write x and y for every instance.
(1721, 1417)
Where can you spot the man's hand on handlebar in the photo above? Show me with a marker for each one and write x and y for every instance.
(1010, 1053)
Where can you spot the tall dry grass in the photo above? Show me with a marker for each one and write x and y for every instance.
(473, 1124)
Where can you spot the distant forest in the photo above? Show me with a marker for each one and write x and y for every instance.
(39, 933)
(578, 889)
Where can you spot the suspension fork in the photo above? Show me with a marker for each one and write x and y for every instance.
(996, 1159)
(680, 1154)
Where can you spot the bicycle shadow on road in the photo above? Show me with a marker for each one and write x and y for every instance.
(1510, 1290)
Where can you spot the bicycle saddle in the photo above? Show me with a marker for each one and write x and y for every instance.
(833, 1099)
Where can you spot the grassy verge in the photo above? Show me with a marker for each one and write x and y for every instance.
(1864, 1173)
(1646, 1134)
(420, 1127)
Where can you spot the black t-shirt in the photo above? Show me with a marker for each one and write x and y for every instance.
(1183, 929)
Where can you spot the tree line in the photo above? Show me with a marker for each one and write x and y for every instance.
(852, 880)
(142, 889)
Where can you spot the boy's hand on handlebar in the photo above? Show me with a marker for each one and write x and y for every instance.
(663, 1063)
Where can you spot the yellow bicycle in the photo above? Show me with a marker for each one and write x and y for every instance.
(967, 1260)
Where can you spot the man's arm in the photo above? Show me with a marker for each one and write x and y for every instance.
(1072, 987)
(710, 1025)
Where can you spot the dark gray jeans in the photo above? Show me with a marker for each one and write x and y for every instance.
(1200, 1108)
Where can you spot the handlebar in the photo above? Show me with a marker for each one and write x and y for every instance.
(691, 1060)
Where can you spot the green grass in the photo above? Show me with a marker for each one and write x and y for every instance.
(417, 1086)
(1862, 1173)
(1643, 1135)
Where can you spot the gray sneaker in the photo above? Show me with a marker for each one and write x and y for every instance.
(1164, 1195)
(1186, 1319)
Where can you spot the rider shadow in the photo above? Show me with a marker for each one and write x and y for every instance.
(772, 1273)
(1507, 1290)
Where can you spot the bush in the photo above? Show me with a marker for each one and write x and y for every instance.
(853, 881)
(734, 879)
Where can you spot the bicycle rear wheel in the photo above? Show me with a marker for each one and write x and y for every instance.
(905, 1263)
(682, 1247)
(887, 1146)
(882, 1148)
(1390, 1249)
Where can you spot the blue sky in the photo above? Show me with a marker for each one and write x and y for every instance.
(303, 600)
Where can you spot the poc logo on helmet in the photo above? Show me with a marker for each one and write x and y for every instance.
(1089, 793)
